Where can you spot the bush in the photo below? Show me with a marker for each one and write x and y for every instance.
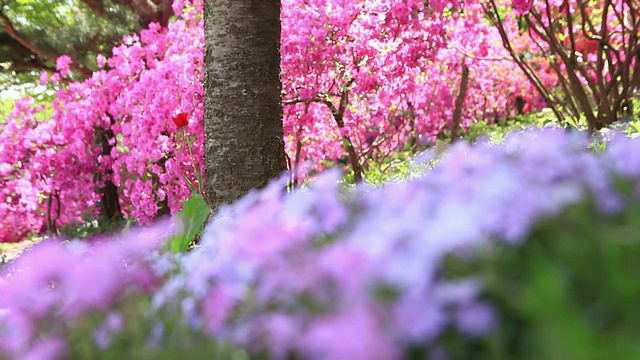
(497, 251)
(570, 291)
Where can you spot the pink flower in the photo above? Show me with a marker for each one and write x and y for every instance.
(63, 65)
(44, 78)
(101, 60)
(522, 7)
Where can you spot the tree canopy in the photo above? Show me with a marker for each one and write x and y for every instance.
(34, 33)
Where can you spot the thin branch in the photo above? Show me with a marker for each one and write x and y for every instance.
(492, 11)
(338, 116)
(578, 90)
(462, 94)
(95, 6)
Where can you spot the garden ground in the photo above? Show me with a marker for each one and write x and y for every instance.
(10, 251)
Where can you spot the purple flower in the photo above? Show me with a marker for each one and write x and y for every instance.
(475, 319)
(351, 334)
(218, 305)
(50, 348)
(92, 285)
(279, 332)
(323, 272)
(418, 319)
(55, 285)
(112, 324)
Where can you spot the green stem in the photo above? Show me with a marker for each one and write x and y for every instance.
(193, 163)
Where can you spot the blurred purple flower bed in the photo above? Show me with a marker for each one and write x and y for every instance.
(322, 272)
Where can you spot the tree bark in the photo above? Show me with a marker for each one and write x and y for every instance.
(457, 110)
(109, 198)
(244, 148)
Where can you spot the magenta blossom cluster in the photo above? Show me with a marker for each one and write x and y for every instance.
(395, 69)
(326, 273)
(49, 163)
(150, 78)
(45, 171)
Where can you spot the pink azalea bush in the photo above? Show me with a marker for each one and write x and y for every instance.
(48, 167)
(319, 273)
(383, 74)
(149, 156)
(45, 171)
(397, 65)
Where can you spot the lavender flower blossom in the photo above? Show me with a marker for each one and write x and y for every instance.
(52, 285)
(322, 255)
(322, 272)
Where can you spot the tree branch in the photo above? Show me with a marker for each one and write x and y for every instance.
(9, 29)
(491, 10)
(338, 116)
(97, 6)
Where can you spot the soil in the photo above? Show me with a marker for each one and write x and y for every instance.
(11, 251)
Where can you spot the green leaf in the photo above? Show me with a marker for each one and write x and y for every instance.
(192, 216)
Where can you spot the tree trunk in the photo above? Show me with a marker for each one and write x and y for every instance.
(244, 148)
(109, 199)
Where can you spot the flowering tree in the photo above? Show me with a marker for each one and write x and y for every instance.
(363, 79)
(592, 48)
(53, 168)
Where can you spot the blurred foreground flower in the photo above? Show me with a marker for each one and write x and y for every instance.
(325, 272)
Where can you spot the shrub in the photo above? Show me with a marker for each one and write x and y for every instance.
(478, 257)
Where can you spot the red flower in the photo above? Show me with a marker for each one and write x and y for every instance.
(180, 120)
